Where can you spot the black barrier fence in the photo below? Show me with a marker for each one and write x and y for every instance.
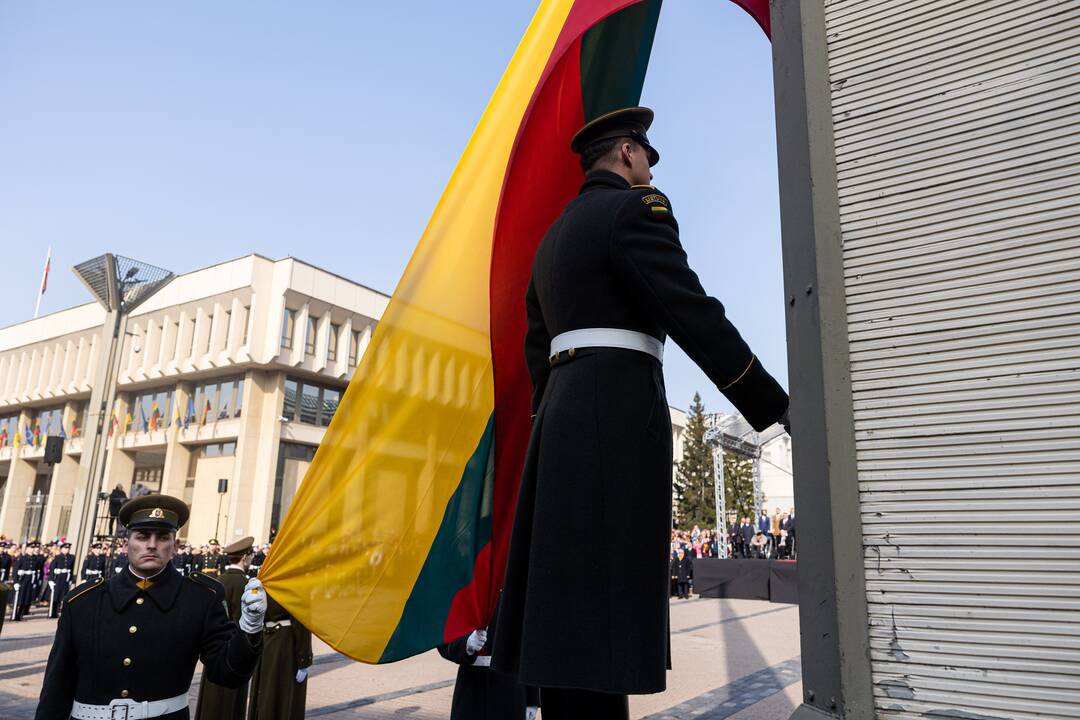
(772, 580)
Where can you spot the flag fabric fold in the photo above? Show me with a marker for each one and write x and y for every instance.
(397, 537)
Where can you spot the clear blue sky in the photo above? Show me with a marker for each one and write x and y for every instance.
(184, 134)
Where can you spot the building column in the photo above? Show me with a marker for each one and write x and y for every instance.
(62, 489)
(257, 447)
(177, 455)
(834, 626)
(20, 483)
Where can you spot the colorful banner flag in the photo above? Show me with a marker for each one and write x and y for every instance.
(190, 413)
(144, 424)
(205, 412)
(176, 413)
(3, 437)
(407, 507)
(155, 416)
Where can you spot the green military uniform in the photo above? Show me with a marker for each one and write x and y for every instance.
(217, 702)
(275, 692)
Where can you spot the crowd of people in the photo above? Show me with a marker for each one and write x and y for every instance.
(40, 574)
(770, 537)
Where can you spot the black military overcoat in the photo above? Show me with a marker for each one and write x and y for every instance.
(595, 497)
(117, 640)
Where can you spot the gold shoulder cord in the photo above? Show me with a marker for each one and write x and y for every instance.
(97, 583)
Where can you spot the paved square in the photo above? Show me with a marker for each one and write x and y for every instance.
(732, 659)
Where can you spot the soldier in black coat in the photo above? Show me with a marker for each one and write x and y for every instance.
(26, 585)
(479, 693)
(60, 578)
(132, 641)
(95, 563)
(600, 454)
(682, 572)
(5, 562)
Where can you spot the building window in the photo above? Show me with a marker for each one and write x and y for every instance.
(48, 422)
(216, 400)
(331, 349)
(211, 450)
(9, 426)
(309, 336)
(151, 410)
(354, 349)
(310, 403)
(288, 328)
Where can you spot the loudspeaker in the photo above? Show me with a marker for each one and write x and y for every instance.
(54, 449)
(223, 485)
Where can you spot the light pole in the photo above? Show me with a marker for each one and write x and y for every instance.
(120, 285)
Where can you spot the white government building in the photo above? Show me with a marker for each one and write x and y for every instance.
(231, 372)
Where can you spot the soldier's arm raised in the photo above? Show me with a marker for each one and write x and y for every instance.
(650, 261)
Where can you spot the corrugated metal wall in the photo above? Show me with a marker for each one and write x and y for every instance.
(957, 128)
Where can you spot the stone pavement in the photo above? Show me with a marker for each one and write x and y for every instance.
(732, 660)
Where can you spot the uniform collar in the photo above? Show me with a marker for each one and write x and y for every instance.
(604, 179)
(163, 589)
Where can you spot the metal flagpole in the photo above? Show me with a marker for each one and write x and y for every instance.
(44, 280)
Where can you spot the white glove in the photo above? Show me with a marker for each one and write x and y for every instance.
(531, 712)
(301, 675)
(252, 607)
(476, 641)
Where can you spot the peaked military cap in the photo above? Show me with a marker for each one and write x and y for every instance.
(633, 122)
(154, 512)
(240, 547)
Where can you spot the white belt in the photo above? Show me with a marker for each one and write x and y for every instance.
(273, 625)
(61, 572)
(26, 572)
(482, 661)
(606, 337)
(129, 709)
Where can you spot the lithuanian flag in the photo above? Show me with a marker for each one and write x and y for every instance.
(397, 537)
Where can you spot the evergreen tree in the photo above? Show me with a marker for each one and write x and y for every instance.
(694, 473)
(739, 485)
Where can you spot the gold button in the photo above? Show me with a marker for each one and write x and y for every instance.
(127, 662)
(132, 629)
(140, 601)
(123, 693)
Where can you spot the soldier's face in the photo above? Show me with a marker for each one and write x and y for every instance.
(149, 550)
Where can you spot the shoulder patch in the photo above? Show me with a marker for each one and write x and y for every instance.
(81, 590)
(205, 581)
(655, 198)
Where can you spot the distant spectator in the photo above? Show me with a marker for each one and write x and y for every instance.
(116, 499)
(759, 546)
(682, 572)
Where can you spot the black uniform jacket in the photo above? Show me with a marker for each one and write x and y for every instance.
(116, 640)
(479, 692)
(598, 467)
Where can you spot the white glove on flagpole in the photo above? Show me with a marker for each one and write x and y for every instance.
(252, 607)
(476, 641)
